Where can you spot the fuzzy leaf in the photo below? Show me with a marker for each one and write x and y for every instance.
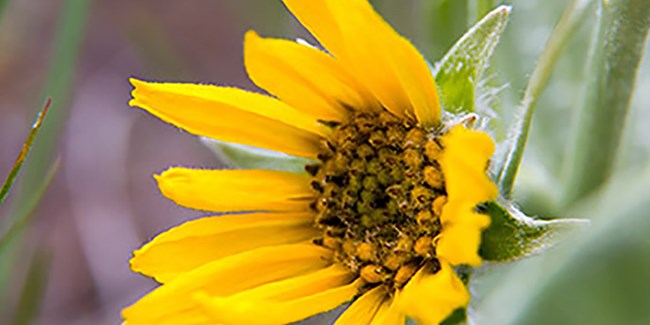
(514, 235)
(254, 158)
(622, 38)
(459, 71)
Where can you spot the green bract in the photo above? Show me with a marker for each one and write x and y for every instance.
(514, 235)
(461, 69)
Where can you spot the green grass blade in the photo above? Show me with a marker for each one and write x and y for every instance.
(616, 55)
(21, 221)
(566, 27)
(13, 173)
(69, 34)
(31, 295)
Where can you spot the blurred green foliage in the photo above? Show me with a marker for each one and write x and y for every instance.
(41, 167)
(615, 57)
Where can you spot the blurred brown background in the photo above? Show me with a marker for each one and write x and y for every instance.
(103, 202)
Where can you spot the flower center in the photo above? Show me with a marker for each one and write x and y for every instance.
(380, 192)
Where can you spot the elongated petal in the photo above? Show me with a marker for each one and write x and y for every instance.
(363, 310)
(173, 302)
(231, 310)
(315, 15)
(385, 62)
(231, 115)
(389, 313)
(304, 77)
(235, 190)
(430, 298)
(298, 287)
(201, 241)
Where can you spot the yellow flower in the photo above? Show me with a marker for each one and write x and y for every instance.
(381, 217)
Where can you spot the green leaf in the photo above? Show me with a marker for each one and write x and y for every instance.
(615, 59)
(514, 235)
(11, 177)
(459, 71)
(254, 158)
(566, 27)
(598, 276)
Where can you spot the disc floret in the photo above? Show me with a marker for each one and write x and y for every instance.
(380, 190)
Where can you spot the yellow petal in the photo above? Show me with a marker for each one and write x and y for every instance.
(174, 301)
(235, 190)
(232, 310)
(431, 298)
(304, 77)
(459, 241)
(389, 313)
(299, 287)
(231, 115)
(315, 15)
(386, 63)
(464, 161)
(201, 241)
(363, 310)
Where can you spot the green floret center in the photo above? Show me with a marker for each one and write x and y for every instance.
(376, 183)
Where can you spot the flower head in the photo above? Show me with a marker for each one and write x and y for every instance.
(381, 216)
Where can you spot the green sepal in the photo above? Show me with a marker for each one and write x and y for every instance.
(247, 157)
(461, 69)
(513, 235)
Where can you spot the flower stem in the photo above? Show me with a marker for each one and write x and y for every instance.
(615, 59)
(565, 28)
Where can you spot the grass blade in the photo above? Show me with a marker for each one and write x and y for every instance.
(21, 221)
(69, 34)
(13, 173)
(31, 294)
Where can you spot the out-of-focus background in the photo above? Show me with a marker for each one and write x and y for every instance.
(103, 202)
